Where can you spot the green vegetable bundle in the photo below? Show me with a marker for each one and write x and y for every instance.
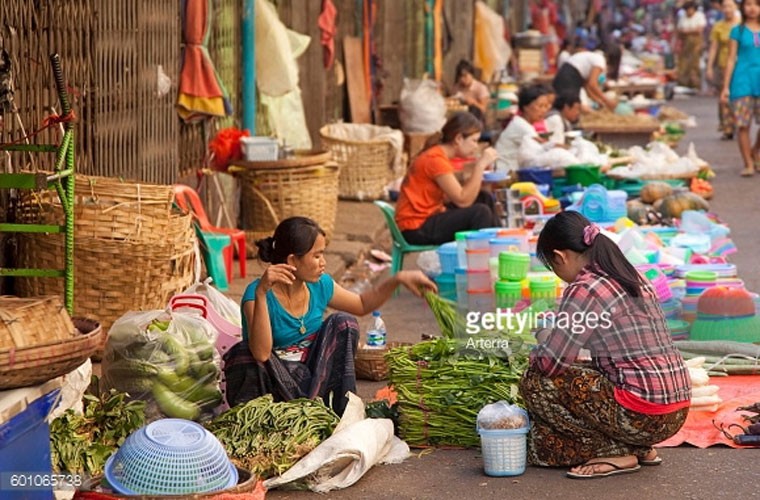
(167, 359)
(268, 438)
(441, 391)
(81, 444)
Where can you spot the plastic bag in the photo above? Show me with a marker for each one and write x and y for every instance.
(422, 108)
(225, 306)
(429, 263)
(167, 359)
(502, 415)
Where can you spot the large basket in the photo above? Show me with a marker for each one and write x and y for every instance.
(310, 191)
(366, 166)
(112, 277)
(106, 208)
(36, 364)
(370, 363)
(27, 322)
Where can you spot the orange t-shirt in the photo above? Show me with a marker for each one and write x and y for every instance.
(420, 196)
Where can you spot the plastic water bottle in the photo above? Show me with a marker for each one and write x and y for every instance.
(376, 335)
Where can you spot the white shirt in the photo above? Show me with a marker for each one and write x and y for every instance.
(509, 143)
(556, 125)
(697, 21)
(584, 62)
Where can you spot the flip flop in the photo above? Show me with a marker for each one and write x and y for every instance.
(651, 463)
(616, 469)
(747, 172)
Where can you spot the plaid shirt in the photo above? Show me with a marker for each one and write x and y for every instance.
(628, 338)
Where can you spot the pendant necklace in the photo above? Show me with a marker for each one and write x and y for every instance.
(302, 327)
(302, 330)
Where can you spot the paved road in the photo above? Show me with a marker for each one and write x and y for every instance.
(687, 472)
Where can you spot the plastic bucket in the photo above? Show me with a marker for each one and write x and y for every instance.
(513, 266)
(536, 175)
(505, 451)
(583, 174)
(543, 289)
(448, 256)
(447, 286)
(508, 293)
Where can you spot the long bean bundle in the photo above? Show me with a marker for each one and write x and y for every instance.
(441, 389)
(268, 438)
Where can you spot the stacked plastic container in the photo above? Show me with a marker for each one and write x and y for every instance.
(446, 281)
(479, 290)
(513, 269)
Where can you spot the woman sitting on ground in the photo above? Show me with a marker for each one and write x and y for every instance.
(421, 212)
(601, 417)
(564, 117)
(471, 91)
(533, 103)
(288, 349)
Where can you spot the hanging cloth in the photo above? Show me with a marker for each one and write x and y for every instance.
(438, 40)
(326, 23)
(201, 93)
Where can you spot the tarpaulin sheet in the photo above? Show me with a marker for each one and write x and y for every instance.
(699, 431)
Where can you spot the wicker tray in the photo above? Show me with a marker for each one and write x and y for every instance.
(34, 365)
(32, 321)
(301, 158)
(370, 363)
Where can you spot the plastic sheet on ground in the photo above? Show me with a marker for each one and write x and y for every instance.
(699, 431)
(357, 444)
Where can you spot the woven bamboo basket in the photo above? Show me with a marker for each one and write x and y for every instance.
(365, 166)
(27, 322)
(33, 365)
(370, 363)
(112, 277)
(106, 208)
(301, 191)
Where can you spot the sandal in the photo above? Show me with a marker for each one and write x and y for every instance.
(656, 460)
(747, 172)
(616, 469)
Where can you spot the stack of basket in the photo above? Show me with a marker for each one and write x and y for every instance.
(132, 252)
(39, 341)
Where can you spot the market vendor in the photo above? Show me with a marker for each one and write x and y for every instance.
(589, 70)
(533, 103)
(469, 90)
(432, 204)
(564, 116)
(288, 349)
(601, 417)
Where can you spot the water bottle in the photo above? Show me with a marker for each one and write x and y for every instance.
(376, 335)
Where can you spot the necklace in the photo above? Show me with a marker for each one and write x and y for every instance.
(292, 310)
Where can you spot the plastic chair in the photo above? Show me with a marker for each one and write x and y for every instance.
(188, 200)
(400, 246)
(213, 246)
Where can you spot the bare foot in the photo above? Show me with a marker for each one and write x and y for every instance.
(650, 456)
(604, 466)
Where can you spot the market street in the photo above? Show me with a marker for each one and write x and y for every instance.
(687, 472)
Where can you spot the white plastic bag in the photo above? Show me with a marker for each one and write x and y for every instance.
(75, 384)
(225, 306)
(429, 263)
(167, 359)
(356, 445)
(502, 415)
(422, 108)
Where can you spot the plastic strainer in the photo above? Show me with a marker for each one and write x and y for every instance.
(169, 457)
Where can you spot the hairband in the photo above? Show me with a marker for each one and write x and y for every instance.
(590, 233)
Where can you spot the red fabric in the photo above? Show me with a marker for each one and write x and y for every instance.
(634, 403)
(699, 431)
(326, 23)
(197, 77)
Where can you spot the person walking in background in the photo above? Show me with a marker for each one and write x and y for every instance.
(741, 86)
(716, 63)
(690, 41)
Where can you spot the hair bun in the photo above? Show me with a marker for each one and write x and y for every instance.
(266, 248)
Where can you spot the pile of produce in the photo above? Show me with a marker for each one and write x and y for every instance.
(662, 199)
(167, 360)
(268, 438)
(607, 120)
(442, 384)
(723, 357)
(82, 443)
